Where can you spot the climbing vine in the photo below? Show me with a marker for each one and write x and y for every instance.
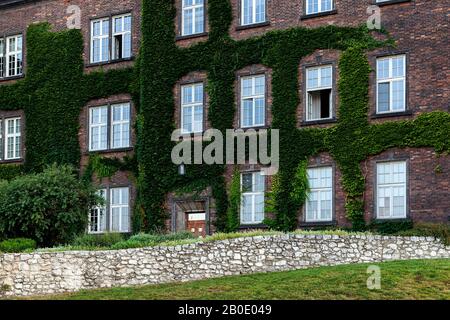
(55, 90)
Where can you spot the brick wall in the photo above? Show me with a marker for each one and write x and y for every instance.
(418, 26)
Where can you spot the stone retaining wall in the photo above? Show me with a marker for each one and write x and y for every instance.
(57, 272)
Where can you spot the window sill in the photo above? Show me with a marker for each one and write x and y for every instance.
(254, 25)
(318, 15)
(316, 122)
(111, 62)
(191, 36)
(392, 219)
(12, 78)
(391, 114)
(381, 4)
(318, 224)
(108, 151)
(13, 161)
(245, 129)
(252, 226)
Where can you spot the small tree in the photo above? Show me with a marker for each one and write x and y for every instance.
(50, 207)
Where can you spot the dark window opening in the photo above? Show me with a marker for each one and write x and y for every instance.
(319, 103)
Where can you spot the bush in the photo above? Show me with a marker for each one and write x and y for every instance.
(98, 241)
(17, 245)
(437, 230)
(391, 227)
(50, 207)
(148, 240)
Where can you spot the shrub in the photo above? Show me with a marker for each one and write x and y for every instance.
(391, 227)
(105, 240)
(437, 230)
(49, 207)
(17, 245)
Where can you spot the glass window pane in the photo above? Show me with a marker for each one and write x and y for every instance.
(398, 95)
(383, 97)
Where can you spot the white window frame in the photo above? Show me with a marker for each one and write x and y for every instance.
(253, 195)
(192, 106)
(121, 123)
(15, 136)
(331, 189)
(253, 13)
(122, 33)
(120, 206)
(100, 209)
(100, 38)
(319, 7)
(2, 58)
(390, 80)
(98, 125)
(192, 8)
(379, 186)
(253, 97)
(318, 88)
(17, 53)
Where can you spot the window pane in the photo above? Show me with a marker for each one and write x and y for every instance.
(398, 95)
(259, 208)
(382, 69)
(188, 22)
(247, 87)
(199, 93)
(383, 97)
(198, 119)
(247, 9)
(259, 182)
(326, 76)
(187, 95)
(327, 5)
(260, 85)
(259, 111)
(248, 113)
(247, 182)
(247, 205)
(398, 69)
(187, 119)
(199, 20)
(313, 78)
(260, 11)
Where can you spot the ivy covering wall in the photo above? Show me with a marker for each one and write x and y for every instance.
(55, 90)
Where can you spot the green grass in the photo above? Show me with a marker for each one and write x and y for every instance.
(414, 279)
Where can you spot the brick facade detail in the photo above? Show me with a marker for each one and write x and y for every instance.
(418, 26)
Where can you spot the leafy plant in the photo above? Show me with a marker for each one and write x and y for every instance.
(17, 245)
(99, 241)
(49, 207)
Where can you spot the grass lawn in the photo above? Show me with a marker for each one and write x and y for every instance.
(415, 279)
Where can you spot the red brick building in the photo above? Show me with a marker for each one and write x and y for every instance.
(411, 79)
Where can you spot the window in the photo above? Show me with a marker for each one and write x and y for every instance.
(119, 210)
(11, 56)
(119, 127)
(192, 108)
(253, 101)
(391, 190)
(120, 38)
(253, 11)
(320, 199)
(120, 124)
(121, 44)
(252, 203)
(319, 85)
(391, 84)
(12, 141)
(97, 215)
(192, 17)
(116, 202)
(318, 6)
(100, 41)
(98, 127)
